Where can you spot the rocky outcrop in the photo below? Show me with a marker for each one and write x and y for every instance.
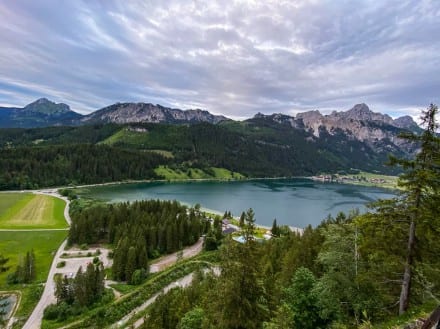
(407, 122)
(146, 112)
(377, 130)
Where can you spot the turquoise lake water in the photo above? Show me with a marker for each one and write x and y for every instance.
(294, 202)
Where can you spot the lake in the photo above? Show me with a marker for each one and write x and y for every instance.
(293, 202)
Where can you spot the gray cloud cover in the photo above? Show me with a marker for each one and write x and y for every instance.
(230, 57)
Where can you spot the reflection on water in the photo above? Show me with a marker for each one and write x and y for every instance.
(295, 202)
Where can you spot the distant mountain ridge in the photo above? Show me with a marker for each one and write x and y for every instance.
(378, 131)
(40, 113)
(147, 112)
(44, 112)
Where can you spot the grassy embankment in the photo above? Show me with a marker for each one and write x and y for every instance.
(195, 173)
(20, 213)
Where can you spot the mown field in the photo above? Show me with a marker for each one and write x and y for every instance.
(31, 211)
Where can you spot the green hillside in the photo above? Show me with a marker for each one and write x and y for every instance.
(255, 148)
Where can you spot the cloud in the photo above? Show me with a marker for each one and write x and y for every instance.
(230, 57)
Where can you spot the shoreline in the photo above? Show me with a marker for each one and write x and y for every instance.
(197, 180)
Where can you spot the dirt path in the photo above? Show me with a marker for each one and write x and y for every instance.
(182, 282)
(171, 259)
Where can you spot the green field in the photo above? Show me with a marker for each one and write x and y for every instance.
(30, 211)
(15, 244)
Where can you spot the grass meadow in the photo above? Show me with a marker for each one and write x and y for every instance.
(14, 245)
(31, 211)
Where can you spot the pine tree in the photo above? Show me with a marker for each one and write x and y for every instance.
(275, 229)
(242, 217)
(417, 205)
(131, 264)
(243, 303)
(419, 181)
(79, 288)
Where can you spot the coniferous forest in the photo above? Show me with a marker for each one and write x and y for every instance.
(352, 271)
(139, 231)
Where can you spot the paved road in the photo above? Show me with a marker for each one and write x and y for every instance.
(71, 267)
(48, 297)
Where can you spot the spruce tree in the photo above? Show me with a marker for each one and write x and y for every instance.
(416, 206)
(420, 183)
(243, 303)
(131, 264)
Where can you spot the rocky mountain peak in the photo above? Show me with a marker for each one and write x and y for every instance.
(360, 110)
(405, 122)
(147, 112)
(45, 106)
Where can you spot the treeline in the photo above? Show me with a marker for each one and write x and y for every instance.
(139, 231)
(349, 272)
(92, 134)
(34, 167)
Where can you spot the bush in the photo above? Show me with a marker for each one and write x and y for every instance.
(12, 278)
(61, 264)
(138, 276)
(51, 312)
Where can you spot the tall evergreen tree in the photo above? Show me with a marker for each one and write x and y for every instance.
(420, 182)
(417, 204)
(243, 303)
(131, 263)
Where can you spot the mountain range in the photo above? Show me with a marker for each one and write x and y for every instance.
(379, 132)
(179, 143)
(43, 113)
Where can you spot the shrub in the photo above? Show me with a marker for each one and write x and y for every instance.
(61, 264)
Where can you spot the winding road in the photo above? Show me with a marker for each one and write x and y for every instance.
(73, 263)
(48, 296)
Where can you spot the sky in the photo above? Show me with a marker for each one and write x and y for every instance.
(230, 57)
